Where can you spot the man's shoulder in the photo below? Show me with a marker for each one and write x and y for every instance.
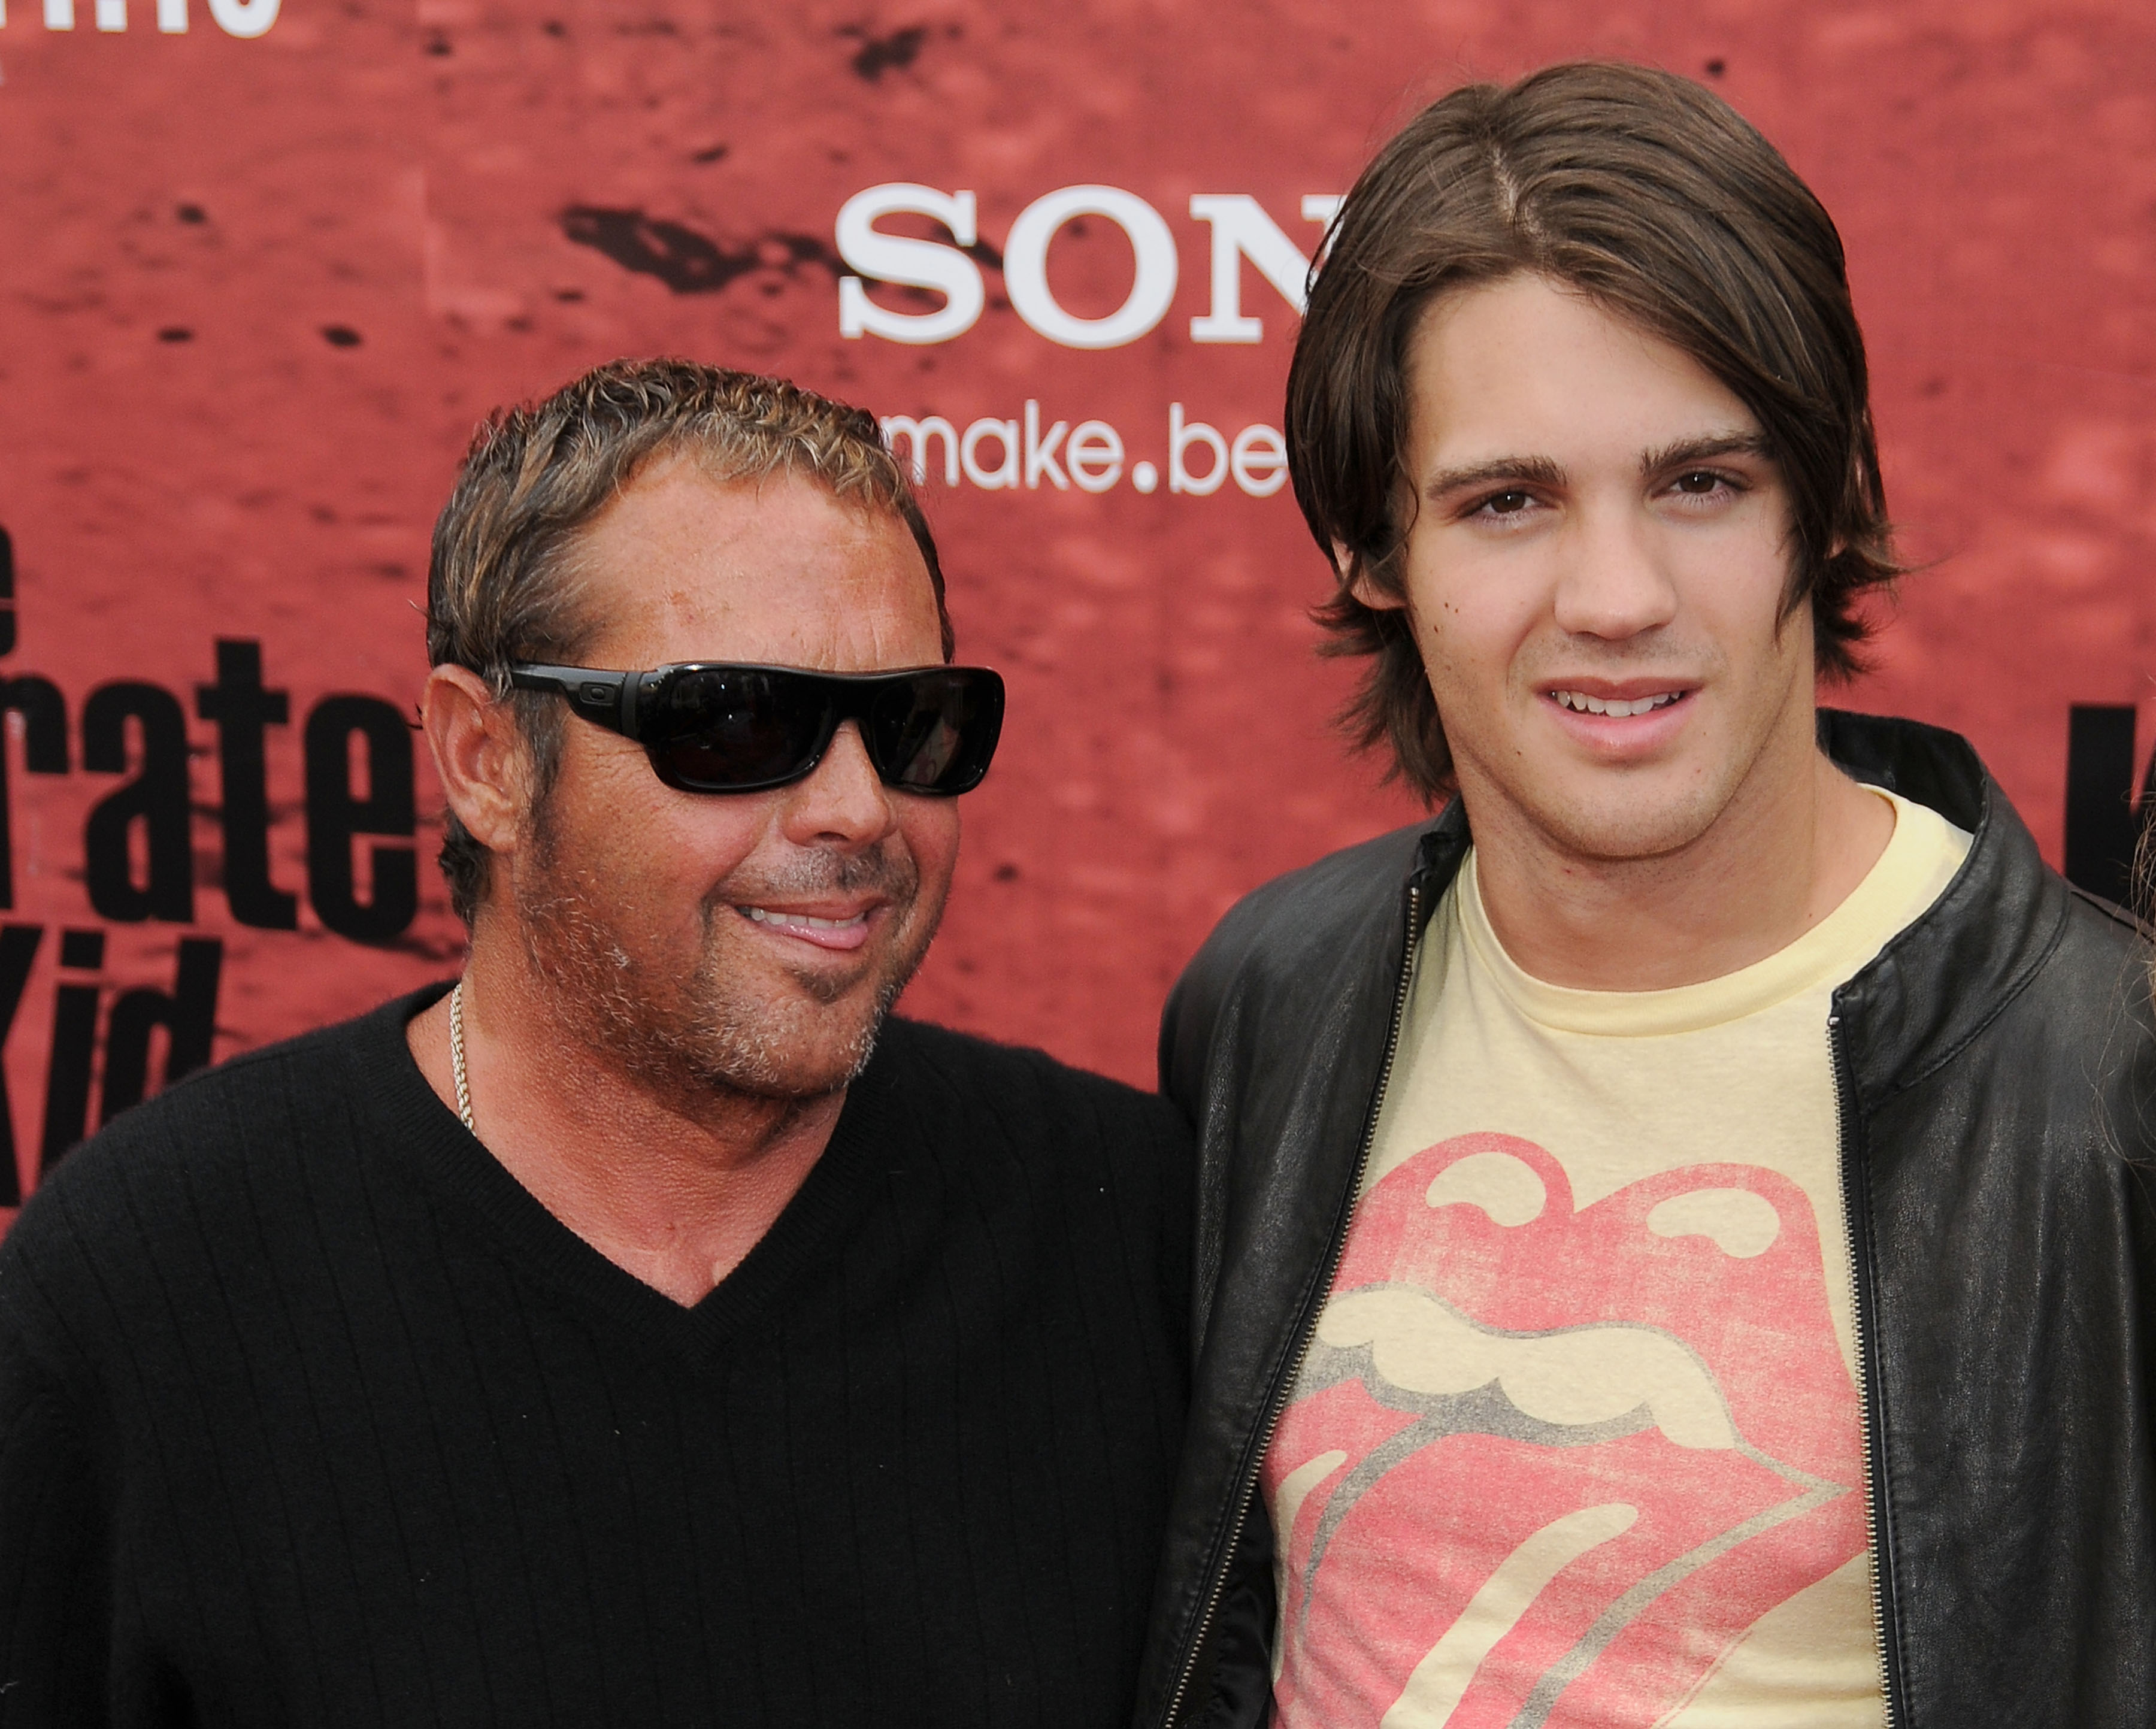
(2027, 1008)
(2055, 963)
(1304, 920)
(279, 1085)
(2104, 926)
(192, 1160)
(1053, 1160)
(966, 1070)
(2098, 976)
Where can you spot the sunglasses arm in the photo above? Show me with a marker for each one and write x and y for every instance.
(606, 698)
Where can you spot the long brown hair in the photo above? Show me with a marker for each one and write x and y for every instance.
(1654, 197)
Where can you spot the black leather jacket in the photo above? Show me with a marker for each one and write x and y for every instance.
(1996, 1069)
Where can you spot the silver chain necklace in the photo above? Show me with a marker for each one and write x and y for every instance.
(457, 1056)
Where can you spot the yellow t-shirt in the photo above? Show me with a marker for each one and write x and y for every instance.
(1578, 1441)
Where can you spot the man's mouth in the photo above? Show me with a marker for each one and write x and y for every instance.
(1581, 702)
(841, 931)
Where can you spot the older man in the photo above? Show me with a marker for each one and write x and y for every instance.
(646, 1330)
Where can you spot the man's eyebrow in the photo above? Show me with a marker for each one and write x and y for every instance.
(1705, 449)
(1534, 470)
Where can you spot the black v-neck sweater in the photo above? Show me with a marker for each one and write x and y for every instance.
(310, 1414)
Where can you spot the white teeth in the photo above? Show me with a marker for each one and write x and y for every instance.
(1580, 702)
(762, 917)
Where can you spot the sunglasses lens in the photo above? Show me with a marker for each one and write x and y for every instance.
(739, 729)
(717, 729)
(935, 732)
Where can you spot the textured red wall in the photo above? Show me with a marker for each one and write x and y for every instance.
(256, 293)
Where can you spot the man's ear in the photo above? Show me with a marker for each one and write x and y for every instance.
(479, 755)
(1355, 575)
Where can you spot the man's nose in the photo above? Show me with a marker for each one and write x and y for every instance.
(1613, 582)
(843, 801)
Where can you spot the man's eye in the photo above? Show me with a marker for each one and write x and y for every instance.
(1699, 481)
(1507, 504)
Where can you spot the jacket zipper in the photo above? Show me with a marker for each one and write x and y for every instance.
(1276, 1405)
(1858, 1248)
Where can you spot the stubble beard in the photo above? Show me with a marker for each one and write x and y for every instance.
(674, 1025)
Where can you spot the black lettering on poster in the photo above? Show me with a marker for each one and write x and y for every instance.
(188, 1014)
(241, 709)
(156, 799)
(43, 710)
(6, 593)
(139, 864)
(336, 814)
(2103, 822)
(75, 1045)
(18, 948)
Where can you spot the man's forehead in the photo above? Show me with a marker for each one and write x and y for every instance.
(1527, 357)
(682, 504)
(687, 565)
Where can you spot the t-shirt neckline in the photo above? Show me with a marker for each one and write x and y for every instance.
(1902, 881)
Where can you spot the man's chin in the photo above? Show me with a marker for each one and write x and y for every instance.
(795, 1033)
(830, 986)
(802, 1058)
(1631, 825)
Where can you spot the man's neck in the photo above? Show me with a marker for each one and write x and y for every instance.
(1764, 873)
(675, 1191)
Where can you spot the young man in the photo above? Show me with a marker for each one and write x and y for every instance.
(740, 1356)
(1676, 1236)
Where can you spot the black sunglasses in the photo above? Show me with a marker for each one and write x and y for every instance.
(715, 726)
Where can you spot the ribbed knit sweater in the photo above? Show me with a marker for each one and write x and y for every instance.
(309, 1414)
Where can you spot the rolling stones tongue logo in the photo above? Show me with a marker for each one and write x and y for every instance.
(1546, 1466)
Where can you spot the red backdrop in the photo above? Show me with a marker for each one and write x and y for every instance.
(258, 287)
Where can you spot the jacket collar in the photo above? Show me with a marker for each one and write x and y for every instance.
(1936, 983)
(1933, 986)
